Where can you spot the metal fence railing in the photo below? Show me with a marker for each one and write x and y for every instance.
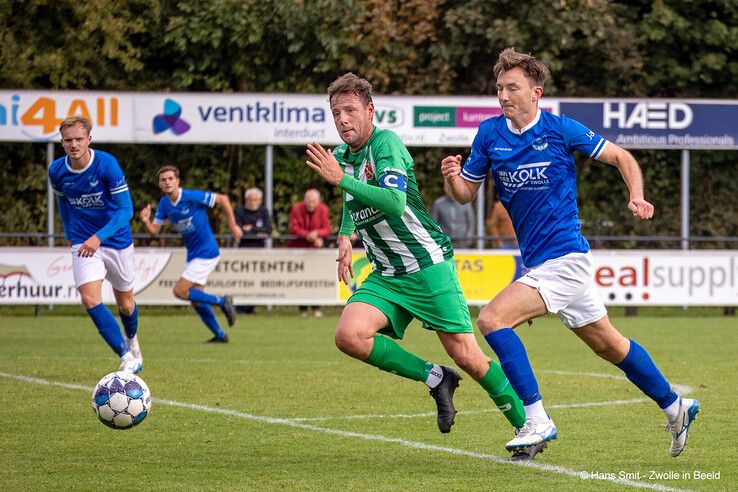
(225, 240)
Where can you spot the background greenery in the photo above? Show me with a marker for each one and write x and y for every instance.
(596, 48)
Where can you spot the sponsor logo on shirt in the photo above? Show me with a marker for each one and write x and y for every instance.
(94, 181)
(526, 176)
(504, 149)
(185, 225)
(90, 200)
(364, 215)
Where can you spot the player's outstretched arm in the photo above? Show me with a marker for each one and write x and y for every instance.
(145, 216)
(631, 172)
(225, 204)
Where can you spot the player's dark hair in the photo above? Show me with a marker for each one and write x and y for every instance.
(351, 84)
(530, 65)
(165, 168)
(80, 121)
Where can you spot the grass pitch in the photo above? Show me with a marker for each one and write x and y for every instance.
(280, 408)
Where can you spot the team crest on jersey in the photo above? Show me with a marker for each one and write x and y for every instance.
(540, 143)
(369, 171)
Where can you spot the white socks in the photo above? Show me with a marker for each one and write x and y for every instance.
(435, 376)
(672, 410)
(536, 412)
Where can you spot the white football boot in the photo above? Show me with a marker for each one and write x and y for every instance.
(679, 427)
(129, 363)
(532, 434)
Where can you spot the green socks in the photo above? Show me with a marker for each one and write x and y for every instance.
(388, 356)
(498, 388)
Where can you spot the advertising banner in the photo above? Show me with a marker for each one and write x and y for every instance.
(240, 118)
(659, 123)
(288, 276)
(308, 277)
(298, 119)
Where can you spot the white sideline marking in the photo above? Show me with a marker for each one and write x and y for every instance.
(368, 437)
(682, 389)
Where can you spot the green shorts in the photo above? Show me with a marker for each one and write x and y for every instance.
(432, 295)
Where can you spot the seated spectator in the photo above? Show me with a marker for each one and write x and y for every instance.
(310, 223)
(254, 219)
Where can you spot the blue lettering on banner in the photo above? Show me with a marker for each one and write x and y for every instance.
(659, 123)
(274, 112)
(397, 181)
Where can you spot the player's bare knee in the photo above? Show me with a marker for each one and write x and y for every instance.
(180, 293)
(489, 321)
(609, 352)
(344, 341)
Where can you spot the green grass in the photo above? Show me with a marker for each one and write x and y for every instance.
(280, 366)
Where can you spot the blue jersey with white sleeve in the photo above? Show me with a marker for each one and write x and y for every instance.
(535, 177)
(93, 200)
(189, 215)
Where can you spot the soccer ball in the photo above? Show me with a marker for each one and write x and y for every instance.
(121, 400)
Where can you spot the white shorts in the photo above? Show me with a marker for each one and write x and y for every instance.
(117, 266)
(567, 286)
(198, 269)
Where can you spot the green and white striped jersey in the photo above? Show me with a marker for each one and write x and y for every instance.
(394, 245)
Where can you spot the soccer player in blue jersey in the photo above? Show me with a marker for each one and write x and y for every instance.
(187, 209)
(96, 209)
(530, 155)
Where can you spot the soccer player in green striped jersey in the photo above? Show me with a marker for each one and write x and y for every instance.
(414, 274)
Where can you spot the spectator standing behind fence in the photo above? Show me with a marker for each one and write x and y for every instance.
(253, 218)
(501, 227)
(455, 219)
(309, 221)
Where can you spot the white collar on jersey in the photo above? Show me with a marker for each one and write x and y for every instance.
(92, 158)
(179, 197)
(526, 127)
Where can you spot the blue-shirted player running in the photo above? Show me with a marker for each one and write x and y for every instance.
(530, 155)
(187, 210)
(96, 209)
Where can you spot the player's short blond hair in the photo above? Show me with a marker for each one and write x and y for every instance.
(350, 83)
(72, 121)
(530, 65)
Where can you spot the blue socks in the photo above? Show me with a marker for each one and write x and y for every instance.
(514, 361)
(640, 369)
(108, 328)
(130, 323)
(197, 295)
(208, 317)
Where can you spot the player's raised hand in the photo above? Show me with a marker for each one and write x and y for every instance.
(451, 166)
(323, 163)
(641, 208)
(145, 213)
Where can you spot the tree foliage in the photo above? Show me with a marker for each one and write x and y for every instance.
(596, 48)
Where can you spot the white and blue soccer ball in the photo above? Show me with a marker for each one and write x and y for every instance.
(121, 400)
